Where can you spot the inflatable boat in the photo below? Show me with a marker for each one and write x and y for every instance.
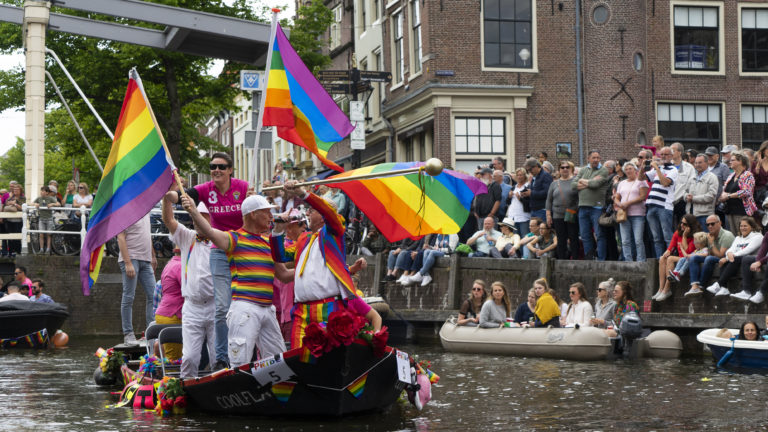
(737, 354)
(29, 324)
(582, 343)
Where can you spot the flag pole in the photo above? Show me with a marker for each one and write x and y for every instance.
(133, 73)
(252, 177)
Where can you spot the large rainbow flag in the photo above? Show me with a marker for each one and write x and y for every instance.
(412, 205)
(137, 174)
(299, 107)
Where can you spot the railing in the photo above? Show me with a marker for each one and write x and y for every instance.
(26, 230)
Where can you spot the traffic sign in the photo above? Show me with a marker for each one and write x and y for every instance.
(343, 88)
(376, 76)
(356, 111)
(265, 140)
(334, 75)
(251, 80)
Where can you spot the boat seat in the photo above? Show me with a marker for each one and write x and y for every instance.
(169, 334)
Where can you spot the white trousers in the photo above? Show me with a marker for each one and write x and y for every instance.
(250, 326)
(197, 325)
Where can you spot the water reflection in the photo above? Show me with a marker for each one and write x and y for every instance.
(54, 390)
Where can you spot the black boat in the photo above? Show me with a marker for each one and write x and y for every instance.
(347, 380)
(29, 324)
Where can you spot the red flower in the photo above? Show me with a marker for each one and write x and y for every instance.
(360, 322)
(167, 404)
(110, 351)
(315, 339)
(379, 341)
(180, 401)
(342, 327)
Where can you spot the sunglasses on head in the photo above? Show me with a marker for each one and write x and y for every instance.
(221, 167)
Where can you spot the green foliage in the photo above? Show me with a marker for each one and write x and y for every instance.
(312, 22)
(12, 164)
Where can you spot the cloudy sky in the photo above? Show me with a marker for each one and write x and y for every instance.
(12, 122)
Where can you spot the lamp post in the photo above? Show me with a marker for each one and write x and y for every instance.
(524, 55)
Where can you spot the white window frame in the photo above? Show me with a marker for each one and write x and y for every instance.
(397, 22)
(720, 36)
(748, 6)
(697, 102)
(415, 27)
(336, 26)
(480, 119)
(534, 43)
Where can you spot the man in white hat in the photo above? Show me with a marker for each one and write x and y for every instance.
(251, 318)
(509, 242)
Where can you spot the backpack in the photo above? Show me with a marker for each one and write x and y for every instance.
(631, 325)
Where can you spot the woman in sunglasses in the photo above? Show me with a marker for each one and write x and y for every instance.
(682, 240)
(579, 309)
(604, 305)
(470, 309)
(222, 196)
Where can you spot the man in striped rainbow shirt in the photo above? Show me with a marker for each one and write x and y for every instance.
(251, 318)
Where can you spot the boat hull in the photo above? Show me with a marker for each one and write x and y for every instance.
(20, 317)
(746, 354)
(321, 388)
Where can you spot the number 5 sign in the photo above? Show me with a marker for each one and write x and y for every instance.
(271, 370)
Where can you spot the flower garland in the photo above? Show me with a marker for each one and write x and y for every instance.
(342, 329)
(110, 362)
(150, 365)
(171, 397)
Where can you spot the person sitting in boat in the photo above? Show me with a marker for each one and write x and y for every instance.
(622, 295)
(525, 311)
(749, 331)
(37, 292)
(604, 305)
(322, 280)
(251, 320)
(197, 313)
(13, 293)
(580, 310)
(497, 309)
(547, 311)
(470, 309)
(764, 332)
(171, 302)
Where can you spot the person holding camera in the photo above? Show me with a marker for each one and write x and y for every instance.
(519, 209)
(660, 202)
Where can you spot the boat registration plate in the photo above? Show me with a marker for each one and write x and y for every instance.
(271, 370)
(403, 366)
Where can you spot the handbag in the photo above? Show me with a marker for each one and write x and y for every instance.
(621, 215)
(608, 217)
(570, 214)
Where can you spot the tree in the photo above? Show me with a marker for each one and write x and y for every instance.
(312, 22)
(12, 164)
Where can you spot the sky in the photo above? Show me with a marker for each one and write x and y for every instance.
(12, 121)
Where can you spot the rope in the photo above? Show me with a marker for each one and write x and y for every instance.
(344, 388)
(422, 198)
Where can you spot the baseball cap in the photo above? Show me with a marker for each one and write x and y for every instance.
(711, 151)
(729, 149)
(202, 208)
(255, 202)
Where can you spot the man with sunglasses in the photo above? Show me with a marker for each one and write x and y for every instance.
(701, 267)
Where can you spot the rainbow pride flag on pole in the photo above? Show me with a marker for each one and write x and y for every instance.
(412, 205)
(137, 174)
(298, 106)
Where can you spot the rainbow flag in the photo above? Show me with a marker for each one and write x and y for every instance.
(412, 205)
(357, 386)
(299, 107)
(137, 174)
(283, 390)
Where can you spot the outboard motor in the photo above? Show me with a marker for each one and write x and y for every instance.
(630, 329)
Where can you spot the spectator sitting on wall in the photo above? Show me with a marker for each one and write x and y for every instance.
(443, 244)
(13, 293)
(747, 243)
(399, 259)
(508, 245)
(700, 268)
(485, 238)
(37, 291)
(375, 242)
(545, 243)
(531, 237)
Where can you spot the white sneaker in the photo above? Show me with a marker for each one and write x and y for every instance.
(130, 339)
(742, 295)
(408, 281)
(714, 288)
(416, 278)
(655, 296)
(692, 292)
(426, 280)
(402, 279)
(663, 296)
(723, 292)
(757, 298)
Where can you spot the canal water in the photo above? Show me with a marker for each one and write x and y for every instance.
(53, 390)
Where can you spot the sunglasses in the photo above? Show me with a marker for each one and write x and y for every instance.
(17, 273)
(601, 289)
(221, 167)
(573, 292)
(564, 167)
(81, 187)
(711, 223)
(683, 224)
(477, 289)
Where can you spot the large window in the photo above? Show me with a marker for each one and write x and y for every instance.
(397, 23)
(696, 38)
(479, 135)
(754, 125)
(507, 32)
(363, 15)
(336, 27)
(754, 40)
(696, 126)
(416, 35)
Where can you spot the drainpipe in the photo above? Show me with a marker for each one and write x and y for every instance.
(579, 91)
(390, 140)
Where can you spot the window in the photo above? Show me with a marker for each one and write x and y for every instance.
(336, 27)
(363, 13)
(754, 125)
(696, 126)
(416, 35)
(397, 22)
(479, 135)
(754, 40)
(375, 10)
(696, 38)
(507, 31)
(600, 14)
(414, 147)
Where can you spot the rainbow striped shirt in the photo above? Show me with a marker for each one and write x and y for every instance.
(252, 267)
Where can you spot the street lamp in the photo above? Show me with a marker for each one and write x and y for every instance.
(524, 56)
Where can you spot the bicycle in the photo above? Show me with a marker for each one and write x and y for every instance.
(34, 238)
